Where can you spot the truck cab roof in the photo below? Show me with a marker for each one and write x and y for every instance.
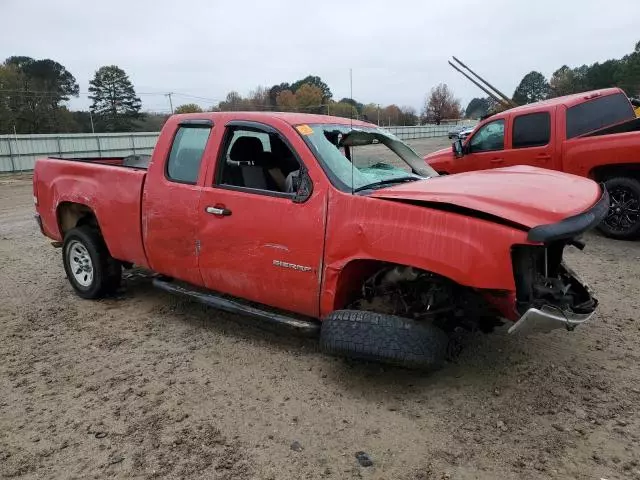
(288, 117)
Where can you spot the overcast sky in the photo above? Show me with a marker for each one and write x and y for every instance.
(398, 49)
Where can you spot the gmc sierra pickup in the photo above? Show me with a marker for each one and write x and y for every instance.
(325, 225)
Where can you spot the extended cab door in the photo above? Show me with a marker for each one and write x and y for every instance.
(171, 199)
(532, 140)
(258, 239)
(485, 149)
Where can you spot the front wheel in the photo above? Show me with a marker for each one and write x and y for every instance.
(384, 338)
(623, 219)
(91, 270)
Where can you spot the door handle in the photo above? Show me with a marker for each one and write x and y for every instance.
(218, 211)
(544, 156)
(497, 160)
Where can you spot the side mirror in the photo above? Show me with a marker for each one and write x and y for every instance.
(304, 187)
(457, 148)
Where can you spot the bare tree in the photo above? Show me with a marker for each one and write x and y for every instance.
(441, 105)
(259, 98)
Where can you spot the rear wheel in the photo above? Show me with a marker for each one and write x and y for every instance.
(384, 338)
(91, 270)
(623, 219)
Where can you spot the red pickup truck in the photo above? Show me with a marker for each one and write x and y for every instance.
(593, 134)
(323, 224)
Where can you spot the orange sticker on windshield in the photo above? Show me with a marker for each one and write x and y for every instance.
(304, 129)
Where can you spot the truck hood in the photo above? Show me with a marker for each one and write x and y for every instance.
(443, 152)
(527, 196)
(441, 160)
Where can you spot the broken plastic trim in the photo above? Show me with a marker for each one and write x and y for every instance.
(572, 226)
(547, 318)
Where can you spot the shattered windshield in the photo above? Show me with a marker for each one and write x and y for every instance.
(362, 158)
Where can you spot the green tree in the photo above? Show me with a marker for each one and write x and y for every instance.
(532, 88)
(309, 98)
(564, 81)
(342, 109)
(151, 122)
(316, 82)
(188, 108)
(408, 116)
(477, 108)
(10, 84)
(629, 73)
(357, 105)
(371, 112)
(38, 90)
(114, 101)
(602, 75)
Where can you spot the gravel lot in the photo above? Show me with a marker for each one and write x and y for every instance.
(146, 385)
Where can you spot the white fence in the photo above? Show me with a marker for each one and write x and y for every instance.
(19, 152)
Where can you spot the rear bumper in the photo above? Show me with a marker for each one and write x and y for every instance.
(545, 319)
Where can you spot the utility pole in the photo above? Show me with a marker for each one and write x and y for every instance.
(378, 114)
(168, 95)
(91, 118)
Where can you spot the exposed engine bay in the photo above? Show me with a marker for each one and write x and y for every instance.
(412, 293)
(542, 281)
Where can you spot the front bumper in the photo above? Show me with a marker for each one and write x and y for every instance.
(545, 319)
(574, 226)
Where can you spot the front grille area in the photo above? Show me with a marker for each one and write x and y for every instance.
(542, 279)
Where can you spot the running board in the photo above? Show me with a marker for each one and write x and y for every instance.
(310, 328)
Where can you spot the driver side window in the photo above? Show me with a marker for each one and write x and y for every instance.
(258, 161)
(489, 138)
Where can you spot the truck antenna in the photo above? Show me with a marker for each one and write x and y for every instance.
(351, 122)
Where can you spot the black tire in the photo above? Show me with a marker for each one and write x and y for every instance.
(105, 270)
(623, 219)
(384, 338)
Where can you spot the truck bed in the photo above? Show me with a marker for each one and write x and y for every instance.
(130, 161)
(105, 185)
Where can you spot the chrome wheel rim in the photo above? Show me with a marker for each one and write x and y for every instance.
(624, 209)
(80, 263)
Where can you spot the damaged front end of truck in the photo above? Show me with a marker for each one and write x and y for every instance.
(549, 294)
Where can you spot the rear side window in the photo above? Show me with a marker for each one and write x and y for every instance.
(532, 130)
(598, 113)
(186, 153)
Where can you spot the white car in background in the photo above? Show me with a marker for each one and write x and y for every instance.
(465, 132)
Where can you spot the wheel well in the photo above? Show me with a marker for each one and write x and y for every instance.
(351, 279)
(405, 291)
(71, 215)
(354, 275)
(606, 172)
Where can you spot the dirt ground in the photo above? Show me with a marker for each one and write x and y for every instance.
(147, 385)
